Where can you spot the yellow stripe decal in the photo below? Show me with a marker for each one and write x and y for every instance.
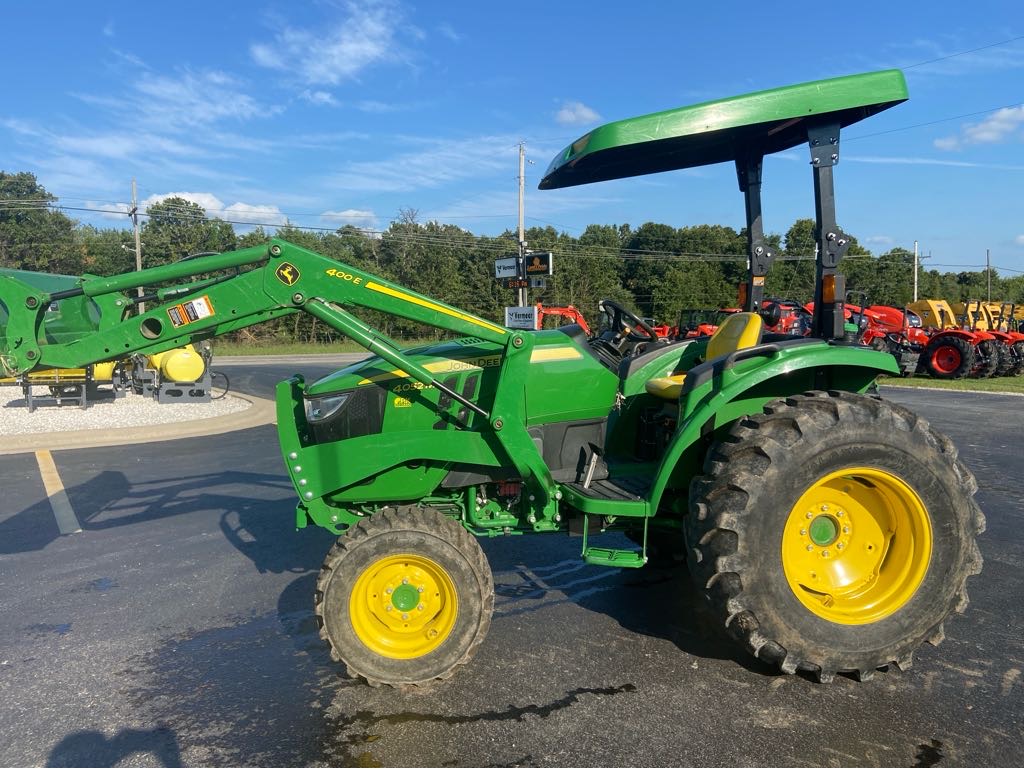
(435, 307)
(554, 353)
(438, 367)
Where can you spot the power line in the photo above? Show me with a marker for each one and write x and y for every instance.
(964, 53)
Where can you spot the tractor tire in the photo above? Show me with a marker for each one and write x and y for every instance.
(986, 359)
(834, 533)
(404, 597)
(948, 357)
(1005, 359)
(1018, 363)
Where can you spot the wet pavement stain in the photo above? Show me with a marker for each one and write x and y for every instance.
(344, 752)
(929, 755)
(42, 629)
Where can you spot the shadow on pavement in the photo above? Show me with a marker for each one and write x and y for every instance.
(91, 748)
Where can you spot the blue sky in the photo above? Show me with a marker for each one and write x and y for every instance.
(329, 113)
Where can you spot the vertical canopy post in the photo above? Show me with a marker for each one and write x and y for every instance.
(832, 242)
(759, 256)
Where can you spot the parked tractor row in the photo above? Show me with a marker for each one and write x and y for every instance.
(931, 336)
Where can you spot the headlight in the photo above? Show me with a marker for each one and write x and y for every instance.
(319, 409)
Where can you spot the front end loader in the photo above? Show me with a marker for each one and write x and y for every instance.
(829, 530)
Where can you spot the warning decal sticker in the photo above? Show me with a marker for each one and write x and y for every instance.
(191, 311)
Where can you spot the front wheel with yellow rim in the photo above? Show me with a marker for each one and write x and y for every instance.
(404, 597)
(834, 533)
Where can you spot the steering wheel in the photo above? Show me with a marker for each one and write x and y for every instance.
(624, 326)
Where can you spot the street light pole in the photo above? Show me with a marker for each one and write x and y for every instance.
(915, 270)
(522, 231)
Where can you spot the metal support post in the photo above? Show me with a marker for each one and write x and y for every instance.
(832, 242)
(759, 256)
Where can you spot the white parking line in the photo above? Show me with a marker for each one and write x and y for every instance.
(67, 521)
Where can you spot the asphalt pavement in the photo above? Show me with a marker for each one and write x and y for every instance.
(176, 628)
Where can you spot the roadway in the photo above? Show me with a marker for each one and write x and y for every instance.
(176, 629)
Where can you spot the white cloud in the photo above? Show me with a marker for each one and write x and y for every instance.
(433, 164)
(946, 58)
(210, 202)
(1002, 125)
(576, 113)
(319, 98)
(118, 211)
(377, 107)
(354, 216)
(905, 161)
(242, 213)
(195, 98)
(448, 31)
(1019, 240)
(108, 29)
(879, 240)
(363, 38)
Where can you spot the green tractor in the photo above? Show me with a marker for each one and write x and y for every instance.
(830, 531)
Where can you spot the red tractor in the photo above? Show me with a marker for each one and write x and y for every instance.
(888, 329)
(992, 318)
(954, 352)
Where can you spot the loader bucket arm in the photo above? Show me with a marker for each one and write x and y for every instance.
(214, 294)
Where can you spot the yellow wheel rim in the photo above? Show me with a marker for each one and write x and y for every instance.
(403, 606)
(856, 546)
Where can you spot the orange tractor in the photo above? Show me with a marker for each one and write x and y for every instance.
(954, 352)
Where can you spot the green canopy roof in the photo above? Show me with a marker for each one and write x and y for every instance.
(719, 131)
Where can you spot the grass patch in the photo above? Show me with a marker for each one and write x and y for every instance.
(1003, 384)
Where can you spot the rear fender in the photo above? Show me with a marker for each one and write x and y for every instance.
(719, 392)
(972, 337)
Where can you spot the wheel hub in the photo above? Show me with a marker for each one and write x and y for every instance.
(856, 546)
(403, 606)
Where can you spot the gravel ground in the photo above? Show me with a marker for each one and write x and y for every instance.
(104, 414)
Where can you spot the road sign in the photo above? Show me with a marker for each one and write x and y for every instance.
(539, 263)
(521, 317)
(507, 267)
(538, 282)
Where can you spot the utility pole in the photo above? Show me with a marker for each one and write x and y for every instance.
(988, 274)
(134, 214)
(915, 270)
(522, 231)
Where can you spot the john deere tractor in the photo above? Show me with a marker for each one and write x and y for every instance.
(829, 530)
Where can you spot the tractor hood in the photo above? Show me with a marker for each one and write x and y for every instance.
(454, 356)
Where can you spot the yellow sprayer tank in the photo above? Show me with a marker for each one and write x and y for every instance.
(182, 364)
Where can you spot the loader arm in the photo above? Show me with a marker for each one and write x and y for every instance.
(215, 294)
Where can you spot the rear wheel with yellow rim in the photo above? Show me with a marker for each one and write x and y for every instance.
(834, 533)
(404, 597)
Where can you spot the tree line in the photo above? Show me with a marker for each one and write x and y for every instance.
(656, 269)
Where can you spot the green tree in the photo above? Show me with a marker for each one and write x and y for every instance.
(32, 236)
(177, 228)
